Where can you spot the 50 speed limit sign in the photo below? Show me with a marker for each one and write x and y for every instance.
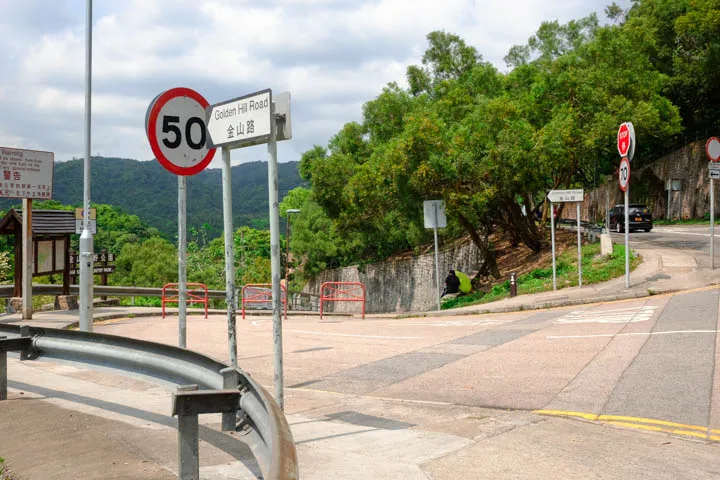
(624, 174)
(175, 127)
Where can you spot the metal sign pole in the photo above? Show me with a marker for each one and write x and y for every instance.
(627, 236)
(437, 263)
(275, 260)
(552, 240)
(579, 247)
(27, 259)
(712, 223)
(86, 238)
(182, 271)
(229, 255)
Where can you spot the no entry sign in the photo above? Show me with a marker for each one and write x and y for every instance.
(175, 126)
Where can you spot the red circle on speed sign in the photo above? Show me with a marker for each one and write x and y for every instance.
(623, 140)
(624, 174)
(177, 132)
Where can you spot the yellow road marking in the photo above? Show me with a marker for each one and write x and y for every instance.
(562, 413)
(641, 423)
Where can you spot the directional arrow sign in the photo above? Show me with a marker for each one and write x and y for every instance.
(242, 121)
(560, 196)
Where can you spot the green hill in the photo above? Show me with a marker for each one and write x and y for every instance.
(149, 191)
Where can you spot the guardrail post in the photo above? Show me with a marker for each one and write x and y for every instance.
(231, 379)
(3, 373)
(188, 442)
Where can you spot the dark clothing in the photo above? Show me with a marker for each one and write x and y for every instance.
(452, 283)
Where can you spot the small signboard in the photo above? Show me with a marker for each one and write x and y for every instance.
(714, 169)
(79, 220)
(26, 173)
(429, 209)
(242, 121)
(561, 196)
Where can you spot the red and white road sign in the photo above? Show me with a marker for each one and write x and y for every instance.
(623, 140)
(712, 148)
(175, 127)
(624, 174)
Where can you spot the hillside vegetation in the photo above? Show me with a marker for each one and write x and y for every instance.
(491, 144)
(149, 191)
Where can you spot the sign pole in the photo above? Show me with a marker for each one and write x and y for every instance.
(627, 236)
(437, 263)
(552, 237)
(27, 259)
(712, 224)
(182, 270)
(86, 238)
(229, 255)
(579, 247)
(275, 260)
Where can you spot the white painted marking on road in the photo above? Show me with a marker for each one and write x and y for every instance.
(387, 337)
(682, 232)
(601, 335)
(620, 315)
(455, 323)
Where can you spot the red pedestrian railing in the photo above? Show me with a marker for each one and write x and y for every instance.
(261, 293)
(195, 293)
(342, 292)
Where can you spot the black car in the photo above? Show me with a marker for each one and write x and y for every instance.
(640, 218)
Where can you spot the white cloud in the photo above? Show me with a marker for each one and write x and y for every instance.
(332, 55)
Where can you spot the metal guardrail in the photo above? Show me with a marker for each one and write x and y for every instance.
(298, 300)
(257, 415)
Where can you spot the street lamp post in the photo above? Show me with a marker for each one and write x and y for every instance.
(287, 248)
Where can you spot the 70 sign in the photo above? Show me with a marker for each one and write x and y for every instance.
(176, 130)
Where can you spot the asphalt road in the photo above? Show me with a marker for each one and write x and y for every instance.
(653, 358)
(694, 238)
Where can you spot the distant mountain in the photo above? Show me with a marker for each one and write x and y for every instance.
(149, 191)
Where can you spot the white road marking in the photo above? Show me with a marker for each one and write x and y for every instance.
(683, 232)
(621, 315)
(671, 332)
(388, 337)
(455, 323)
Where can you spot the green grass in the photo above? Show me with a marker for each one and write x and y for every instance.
(595, 269)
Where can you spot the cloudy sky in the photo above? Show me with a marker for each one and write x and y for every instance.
(332, 55)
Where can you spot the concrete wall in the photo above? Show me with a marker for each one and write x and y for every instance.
(689, 165)
(400, 285)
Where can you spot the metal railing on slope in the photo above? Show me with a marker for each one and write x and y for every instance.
(258, 415)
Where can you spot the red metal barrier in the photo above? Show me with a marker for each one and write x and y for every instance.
(342, 292)
(195, 293)
(262, 293)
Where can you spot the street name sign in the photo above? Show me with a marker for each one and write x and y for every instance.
(714, 169)
(26, 173)
(242, 121)
(175, 127)
(561, 196)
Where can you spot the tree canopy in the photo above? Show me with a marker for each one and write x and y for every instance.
(491, 144)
